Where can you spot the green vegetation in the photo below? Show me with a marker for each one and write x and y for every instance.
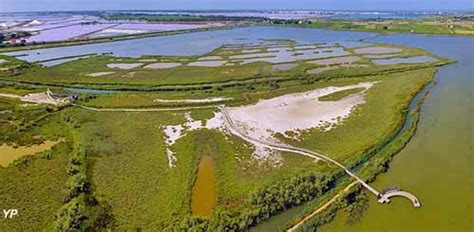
(448, 26)
(32, 184)
(113, 172)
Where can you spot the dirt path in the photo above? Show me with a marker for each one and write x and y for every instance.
(323, 207)
(145, 109)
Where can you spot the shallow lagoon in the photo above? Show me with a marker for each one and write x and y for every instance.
(196, 43)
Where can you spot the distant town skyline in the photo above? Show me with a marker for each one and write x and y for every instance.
(65, 5)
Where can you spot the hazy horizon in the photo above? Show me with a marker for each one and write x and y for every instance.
(349, 5)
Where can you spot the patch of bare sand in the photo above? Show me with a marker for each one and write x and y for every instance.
(214, 63)
(162, 65)
(172, 133)
(37, 98)
(99, 74)
(124, 65)
(295, 112)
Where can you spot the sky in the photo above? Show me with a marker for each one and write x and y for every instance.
(63, 5)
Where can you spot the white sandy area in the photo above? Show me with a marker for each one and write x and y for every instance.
(295, 112)
(99, 74)
(36, 98)
(162, 65)
(214, 63)
(124, 65)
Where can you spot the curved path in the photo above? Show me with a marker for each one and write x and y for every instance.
(385, 197)
(283, 147)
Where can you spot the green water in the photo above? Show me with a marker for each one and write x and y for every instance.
(437, 165)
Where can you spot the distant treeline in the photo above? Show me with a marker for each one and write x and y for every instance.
(178, 17)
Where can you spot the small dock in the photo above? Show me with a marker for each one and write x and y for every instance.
(386, 194)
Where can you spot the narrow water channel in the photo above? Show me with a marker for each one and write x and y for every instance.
(204, 190)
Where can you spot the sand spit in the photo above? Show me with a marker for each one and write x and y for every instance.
(162, 65)
(295, 112)
(99, 74)
(214, 63)
(124, 65)
(205, 100)
(377, 50)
